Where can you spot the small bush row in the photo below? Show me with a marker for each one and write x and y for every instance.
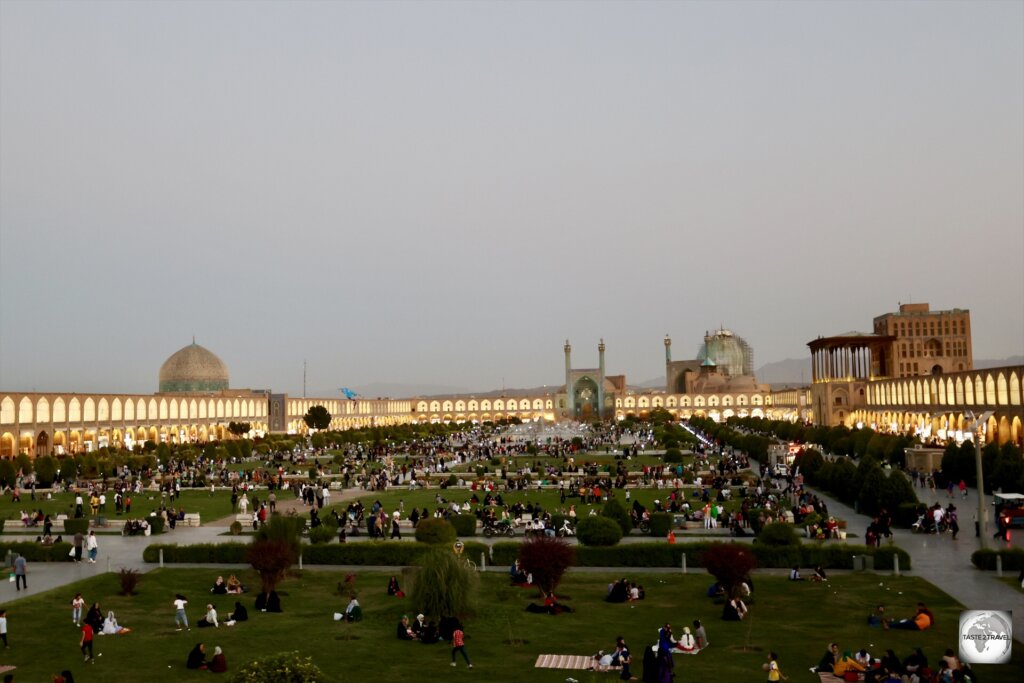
(37, 552)
(671, 555)
(368, 553)
(1013, 558)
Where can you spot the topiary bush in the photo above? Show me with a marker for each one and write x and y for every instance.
(673, 455)
(598, 531)
(615, 510)
(778, 534)
(284, 667)
(235, 528)
(661, 523)
(321, 534)
(76, 526)
(435, 531)
(1013, 559)
(465, 525)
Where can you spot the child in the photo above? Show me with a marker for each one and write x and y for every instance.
(76, 609)
(459, 645)
(180, 619)
(3, 627)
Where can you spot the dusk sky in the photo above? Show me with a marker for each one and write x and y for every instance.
(442, 193)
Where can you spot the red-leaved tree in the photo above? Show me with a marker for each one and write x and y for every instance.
(730, 563)
(547, 559)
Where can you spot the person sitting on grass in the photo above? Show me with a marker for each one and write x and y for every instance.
(239, 613)
(847, 663)
(794, 574)
(877, 618)
(921, 621)
(828, 660)
(819, 574)
(429, 635)
(234, 586)
(210, 619)
(219, 663)
(353, 611)
(197, 657)
(687, 644)
(403, 631)
(219, 587)
(734, 610)
(393, 588)
(111, 627)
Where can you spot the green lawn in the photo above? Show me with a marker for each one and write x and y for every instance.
(549, 500)
(193, 500)
(796, 620)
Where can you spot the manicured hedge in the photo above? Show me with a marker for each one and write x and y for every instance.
(37, 552)
(838, 556)
(465, 525)
(598, 531)
(435, 531)
(367, 553)
(73, 526)
(1013, 558)
(661, 523)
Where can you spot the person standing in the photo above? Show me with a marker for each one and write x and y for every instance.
(180, 618)
(76, 609)
(77, 542)
(19, 573)
(459, 645)
(772, 667)
(86, 643)
(93, 546)
(3, 627)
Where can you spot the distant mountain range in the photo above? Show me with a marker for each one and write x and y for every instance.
(792, 371)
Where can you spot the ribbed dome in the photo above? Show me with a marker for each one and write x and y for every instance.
(193, 368)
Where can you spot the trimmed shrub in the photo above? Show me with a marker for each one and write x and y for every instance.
(465, 525)
(76, 526)
(673, 455)
(321, 534)
(290, 667)
(37, 552)
(1013, 559)
(661, 523)
(906, 514)
(614, 510)
(236, 528)
(778, 534)
(435, 531)
(884, 555)
(156, 523)
(599, 531)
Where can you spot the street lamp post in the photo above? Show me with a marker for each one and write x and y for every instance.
(982, 512)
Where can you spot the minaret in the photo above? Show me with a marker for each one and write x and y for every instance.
(600, 379)
(568, 380)
(668, 349)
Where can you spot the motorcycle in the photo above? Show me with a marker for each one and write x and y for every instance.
(499, 529)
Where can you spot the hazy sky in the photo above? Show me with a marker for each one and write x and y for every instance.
(444, 192)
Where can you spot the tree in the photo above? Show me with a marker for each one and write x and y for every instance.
(547, 559)
(274, 549)
(444, 586)
(317, 417)
(68, 469)
(239, 428)
(730, 564)
(46, 470)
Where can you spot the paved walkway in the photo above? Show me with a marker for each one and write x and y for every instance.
(945, 562)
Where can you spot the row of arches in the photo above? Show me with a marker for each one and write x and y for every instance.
(71, 441)
(1001, 428)
(34, 409)
(483, 405)
(692, 401)
(989, 389)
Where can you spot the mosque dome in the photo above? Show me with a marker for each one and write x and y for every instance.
(729, 352)
(193, 368)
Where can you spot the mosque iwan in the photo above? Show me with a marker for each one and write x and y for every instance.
(913, 373)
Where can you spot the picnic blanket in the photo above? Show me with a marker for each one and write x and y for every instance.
(576, 662)
(828, 677)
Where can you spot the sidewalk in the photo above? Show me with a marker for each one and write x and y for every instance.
(945, 562)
